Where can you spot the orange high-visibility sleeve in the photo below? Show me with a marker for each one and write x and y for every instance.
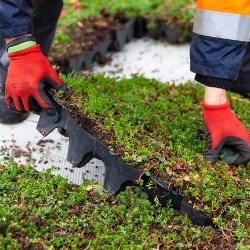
(241, 7)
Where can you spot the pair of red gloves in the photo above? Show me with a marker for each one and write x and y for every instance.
(30, 75)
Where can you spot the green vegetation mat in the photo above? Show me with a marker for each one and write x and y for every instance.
(91, 8)
(156, 127)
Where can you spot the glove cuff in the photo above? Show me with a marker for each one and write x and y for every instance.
(25, 52)
(216, 113)
(218, 107)
(20, 43)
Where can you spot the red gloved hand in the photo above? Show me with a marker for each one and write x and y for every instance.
(225, 133)
(29, 76)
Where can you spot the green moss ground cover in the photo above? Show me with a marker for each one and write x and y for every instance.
(77, 15)
(159, 128)
(76, 10)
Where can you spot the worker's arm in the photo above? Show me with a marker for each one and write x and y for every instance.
(15, 18)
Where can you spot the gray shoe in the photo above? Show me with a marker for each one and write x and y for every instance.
(7, 116)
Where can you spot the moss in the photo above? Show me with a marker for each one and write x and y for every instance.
(158, 126)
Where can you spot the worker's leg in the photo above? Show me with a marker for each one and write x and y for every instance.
(242, 85)
(45, 17)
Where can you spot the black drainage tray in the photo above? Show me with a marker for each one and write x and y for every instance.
(118, 175)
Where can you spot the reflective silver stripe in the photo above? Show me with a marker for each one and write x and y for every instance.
(222, 25)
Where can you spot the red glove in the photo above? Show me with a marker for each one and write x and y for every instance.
(29, 75)
(224, 133)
